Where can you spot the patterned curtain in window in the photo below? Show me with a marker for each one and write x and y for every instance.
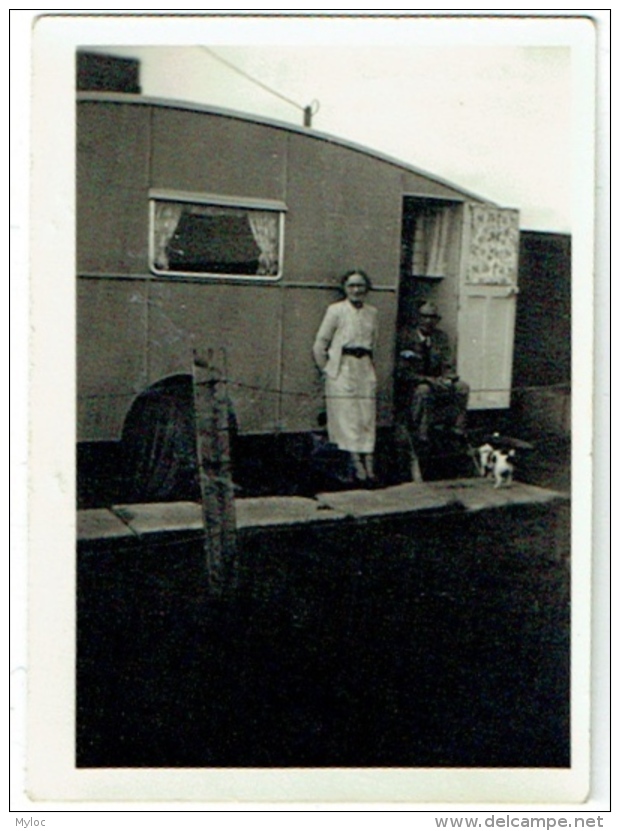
(167, 218)
(265, 231)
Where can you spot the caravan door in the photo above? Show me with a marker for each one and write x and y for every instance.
(487, 303)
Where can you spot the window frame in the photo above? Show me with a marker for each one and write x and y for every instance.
(215, 200)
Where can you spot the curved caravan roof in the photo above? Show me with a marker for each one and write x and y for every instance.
(123, 98)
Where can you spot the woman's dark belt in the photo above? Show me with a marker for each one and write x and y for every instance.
(356, 351)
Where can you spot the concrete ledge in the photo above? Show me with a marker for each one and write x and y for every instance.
(160, 517)
(280, 511)
(479, 494)
(401, 499)
(418, 497)
(101, 524)
(273, 512)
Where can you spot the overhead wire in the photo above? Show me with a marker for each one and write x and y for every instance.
(252, 79)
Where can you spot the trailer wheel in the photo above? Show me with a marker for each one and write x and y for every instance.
(159, 444)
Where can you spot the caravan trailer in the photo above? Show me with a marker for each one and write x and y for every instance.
(202, 229)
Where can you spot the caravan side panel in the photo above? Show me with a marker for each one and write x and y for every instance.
(112, 321)
(113, 178)
(206, 153)
(241, 325)
(344, 212)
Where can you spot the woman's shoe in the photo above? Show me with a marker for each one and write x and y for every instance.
(358, 468)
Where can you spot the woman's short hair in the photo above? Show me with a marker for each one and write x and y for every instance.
(361, 273)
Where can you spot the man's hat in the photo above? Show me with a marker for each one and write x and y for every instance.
(429, 309)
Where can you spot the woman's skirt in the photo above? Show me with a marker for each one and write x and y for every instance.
(351, 405)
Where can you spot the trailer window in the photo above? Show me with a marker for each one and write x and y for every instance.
(215, 239)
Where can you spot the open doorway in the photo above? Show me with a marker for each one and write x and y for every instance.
(430, 261)
(463, 256)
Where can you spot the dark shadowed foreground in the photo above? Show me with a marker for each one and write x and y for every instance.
(435, 639)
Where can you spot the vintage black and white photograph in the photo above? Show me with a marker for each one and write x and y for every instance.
(322, 282)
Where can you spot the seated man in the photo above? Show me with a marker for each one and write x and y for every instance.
(429, 389)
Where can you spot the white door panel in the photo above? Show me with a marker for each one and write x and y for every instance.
(485, 338)
(487, 304)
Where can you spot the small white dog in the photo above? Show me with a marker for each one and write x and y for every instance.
(485, 465)
(503, 467)
(496, 463)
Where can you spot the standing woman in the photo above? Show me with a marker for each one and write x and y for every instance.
(343, 351)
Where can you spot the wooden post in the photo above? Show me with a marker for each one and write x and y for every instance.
(214, 463)
(405, 442)
(416, 470)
